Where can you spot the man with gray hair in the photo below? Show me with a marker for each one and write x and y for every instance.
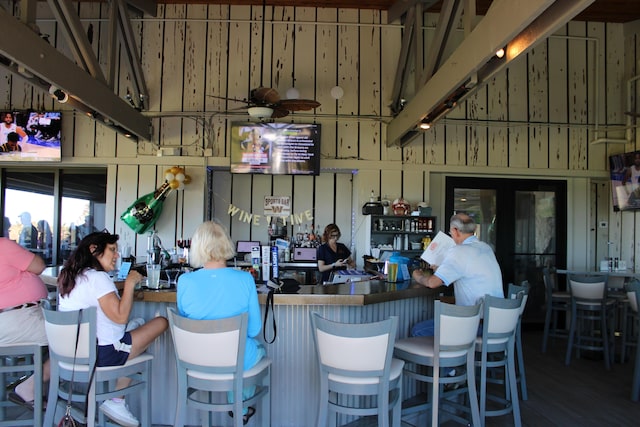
(471, 264)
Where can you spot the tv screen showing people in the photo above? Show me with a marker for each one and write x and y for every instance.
(30, 136)
(275, 148)
(625, 180)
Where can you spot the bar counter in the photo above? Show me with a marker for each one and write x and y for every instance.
(355, 293)
(294, 379)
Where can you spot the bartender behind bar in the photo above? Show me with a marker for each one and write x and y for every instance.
(331, 254)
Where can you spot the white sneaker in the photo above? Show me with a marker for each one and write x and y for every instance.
(119, 412)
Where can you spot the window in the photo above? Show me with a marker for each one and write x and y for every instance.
(31, 201)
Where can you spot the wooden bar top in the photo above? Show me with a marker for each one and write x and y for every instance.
(356, 293)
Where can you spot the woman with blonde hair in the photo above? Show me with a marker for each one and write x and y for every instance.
(216, 291)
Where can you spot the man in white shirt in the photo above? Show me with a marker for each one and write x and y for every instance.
(471, 264)
(9, 126)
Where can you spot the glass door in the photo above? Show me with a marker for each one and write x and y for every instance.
(523, 220)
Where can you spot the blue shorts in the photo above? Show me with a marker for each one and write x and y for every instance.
(108, 355)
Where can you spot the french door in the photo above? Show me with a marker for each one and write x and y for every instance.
(524, 221)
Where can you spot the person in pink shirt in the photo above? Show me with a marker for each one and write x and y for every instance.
(21, 318)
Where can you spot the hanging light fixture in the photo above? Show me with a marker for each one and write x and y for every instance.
(260, 113)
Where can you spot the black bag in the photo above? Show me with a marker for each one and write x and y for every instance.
(68, 421)
(284, 286)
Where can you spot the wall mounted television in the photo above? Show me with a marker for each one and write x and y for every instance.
(625, 180)
(275, 148)
(38, 136)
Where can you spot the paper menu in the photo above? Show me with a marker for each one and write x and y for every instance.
(435, 252)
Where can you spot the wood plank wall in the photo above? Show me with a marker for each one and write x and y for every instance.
(535, 119)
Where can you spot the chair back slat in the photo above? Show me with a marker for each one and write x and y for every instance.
(501, 317)
(350, 357)
(456, 326)
(523, 289)
(224, 343)
(633, 294)
(355, 349)
(588, 287)
(221, 342)
(61, 328)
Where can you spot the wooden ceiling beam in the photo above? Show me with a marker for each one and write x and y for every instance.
(519, 26)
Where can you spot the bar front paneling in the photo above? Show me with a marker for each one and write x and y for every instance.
(295, 381)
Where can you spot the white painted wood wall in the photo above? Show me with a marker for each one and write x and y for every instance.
(534, 120)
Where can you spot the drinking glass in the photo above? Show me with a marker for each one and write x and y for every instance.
(172, 276)
(392, 271)
(153, 276)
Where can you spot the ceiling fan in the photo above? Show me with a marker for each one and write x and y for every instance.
(265, 102)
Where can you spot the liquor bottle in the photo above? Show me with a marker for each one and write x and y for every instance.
(145, 211)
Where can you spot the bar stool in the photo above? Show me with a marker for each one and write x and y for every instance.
(556, 302)
(499, 325)
(15, 360)
(61, 328)
(512, 292)
(205, 375)
(356, 361)
(591, 316)
(431, 359)
(633, 292)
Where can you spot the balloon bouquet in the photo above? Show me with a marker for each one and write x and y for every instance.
(146, 210)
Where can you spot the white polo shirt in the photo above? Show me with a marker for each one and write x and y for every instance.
(473, 267)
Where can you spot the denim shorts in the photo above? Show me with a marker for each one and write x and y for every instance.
(109, 355)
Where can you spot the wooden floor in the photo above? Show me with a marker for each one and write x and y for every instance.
(582, 394)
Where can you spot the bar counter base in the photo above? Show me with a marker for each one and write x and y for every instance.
(295, 379)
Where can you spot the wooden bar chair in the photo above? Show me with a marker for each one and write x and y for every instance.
(446, 359)
(356, 362)
(557, 302)
(592, 315)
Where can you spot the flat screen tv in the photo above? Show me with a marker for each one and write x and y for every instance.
(30, 136)
(625, 180)
(275, 148)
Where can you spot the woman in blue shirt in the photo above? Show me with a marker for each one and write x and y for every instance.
(216, 291)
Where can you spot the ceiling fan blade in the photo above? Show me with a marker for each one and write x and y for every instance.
(230, 99)
(299, 104)
(265, 95)
(279, 112)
